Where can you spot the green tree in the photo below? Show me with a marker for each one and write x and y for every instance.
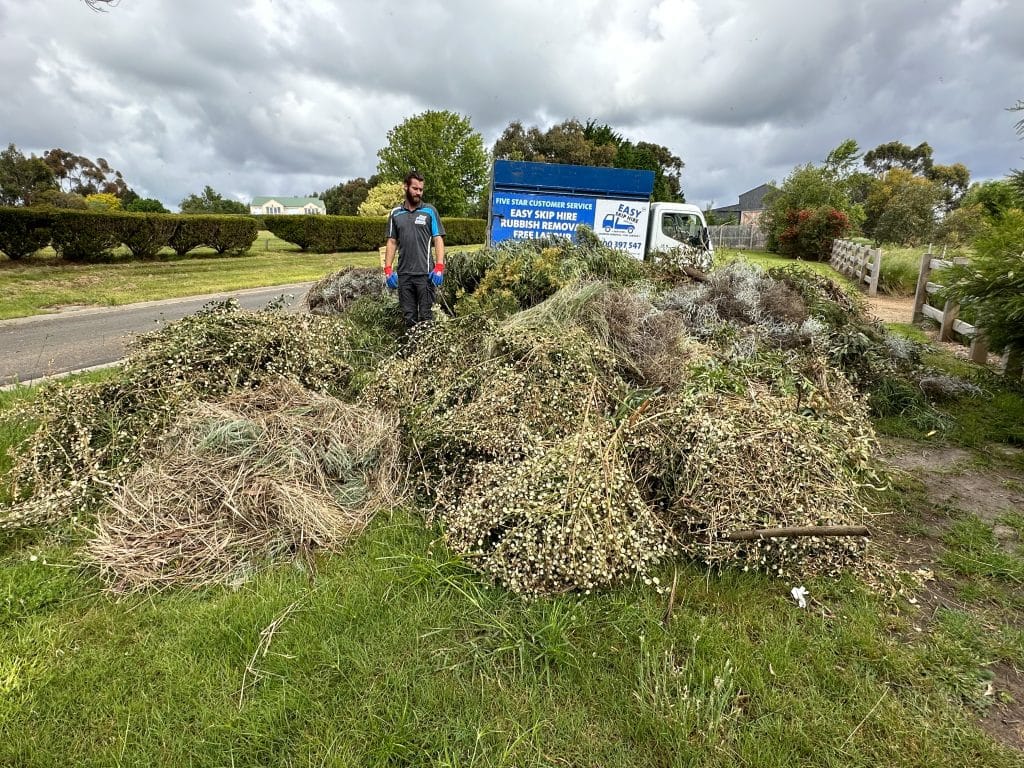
(55, 198)
(382, 198)
(79, 174)
(596, 144)
(993, 283)
(896, 154)
(902, 208)
(953, 181)
(344, 199)
(146, 205)
(807, 188)
(995, 197)
(22, 178)
(443, 146)
(211, 201)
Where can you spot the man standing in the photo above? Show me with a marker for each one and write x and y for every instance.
(412, 228)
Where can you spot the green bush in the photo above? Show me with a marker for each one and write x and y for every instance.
(291, 229)
(464, 231)
(809, 232)
(340, 234)
(85, 235)
(992, 285)
(233, 234)
(193, 230)
(23, 231)
(146, 233)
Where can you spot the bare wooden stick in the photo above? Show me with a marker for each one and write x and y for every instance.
(788, 533)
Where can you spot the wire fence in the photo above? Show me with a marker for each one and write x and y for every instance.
(748, 236)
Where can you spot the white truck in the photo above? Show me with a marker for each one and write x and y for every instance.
(534, 200)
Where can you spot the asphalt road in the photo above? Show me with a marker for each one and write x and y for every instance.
(48, 345)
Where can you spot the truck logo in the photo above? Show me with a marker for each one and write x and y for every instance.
(612, 223)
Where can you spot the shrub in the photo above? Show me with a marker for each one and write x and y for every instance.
(329, 234)
(233, 234)
(85, 235)
(146, 233)
(340, 234)
(23, 231)
(291, 229)
(992, 285)
(192, 231)
(809, 232)
(464, 231)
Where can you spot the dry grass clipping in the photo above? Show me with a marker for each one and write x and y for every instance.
(237, 483)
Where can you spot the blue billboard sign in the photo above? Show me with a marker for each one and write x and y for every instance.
(528, 215)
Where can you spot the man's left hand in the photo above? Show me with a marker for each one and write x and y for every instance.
(437, 276)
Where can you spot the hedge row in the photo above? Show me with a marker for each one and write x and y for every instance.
(331, 234)
(88, 235)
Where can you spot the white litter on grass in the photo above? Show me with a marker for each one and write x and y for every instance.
(799, 594)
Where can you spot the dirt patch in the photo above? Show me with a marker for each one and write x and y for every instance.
(891, 309)
(951, 479)
(1005, 719)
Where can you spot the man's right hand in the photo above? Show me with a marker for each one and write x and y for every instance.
(390, 278)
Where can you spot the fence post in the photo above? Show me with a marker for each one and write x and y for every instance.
(876, 271)
(949, 313)
(979, 348)
(921, 293)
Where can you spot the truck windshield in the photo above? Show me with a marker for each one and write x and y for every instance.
(684, 227)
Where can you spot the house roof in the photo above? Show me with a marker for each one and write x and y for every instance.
(291, 202)
(751, 200)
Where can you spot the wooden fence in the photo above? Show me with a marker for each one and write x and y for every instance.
(860, 262)
(747, 236)
(951, 327)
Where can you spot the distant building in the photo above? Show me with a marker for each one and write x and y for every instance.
(287, 205)
(750, 207)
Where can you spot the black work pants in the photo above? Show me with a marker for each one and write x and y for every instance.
(416, 298)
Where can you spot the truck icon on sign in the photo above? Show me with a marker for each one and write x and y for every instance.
(612, 223)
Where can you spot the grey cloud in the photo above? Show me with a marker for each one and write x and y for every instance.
(271, 97)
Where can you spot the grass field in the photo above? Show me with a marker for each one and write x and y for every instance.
(393, 654)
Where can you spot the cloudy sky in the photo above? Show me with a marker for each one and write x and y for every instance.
(276, 97)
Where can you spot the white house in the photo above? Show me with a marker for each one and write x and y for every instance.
(287, 205)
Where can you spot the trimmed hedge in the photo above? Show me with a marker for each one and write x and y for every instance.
(145, 234)
(234, 234)
(337, 234)
(23, 231)
(465, 231)
(85, 235)
(192, 231)
(92, 235)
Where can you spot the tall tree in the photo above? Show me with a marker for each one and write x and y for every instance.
(902, 208)
(344, 199)
(443, 146)
(22, 177)
(211, 201)
(597, 144)
(82, 176)
(953, 181)
(896, 154)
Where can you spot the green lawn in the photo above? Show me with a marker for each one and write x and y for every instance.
(43, 283)
(392, 654)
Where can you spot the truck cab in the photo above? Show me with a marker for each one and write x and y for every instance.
(671, 225)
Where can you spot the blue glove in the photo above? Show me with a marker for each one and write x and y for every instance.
(437, 276)
(391, 279)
